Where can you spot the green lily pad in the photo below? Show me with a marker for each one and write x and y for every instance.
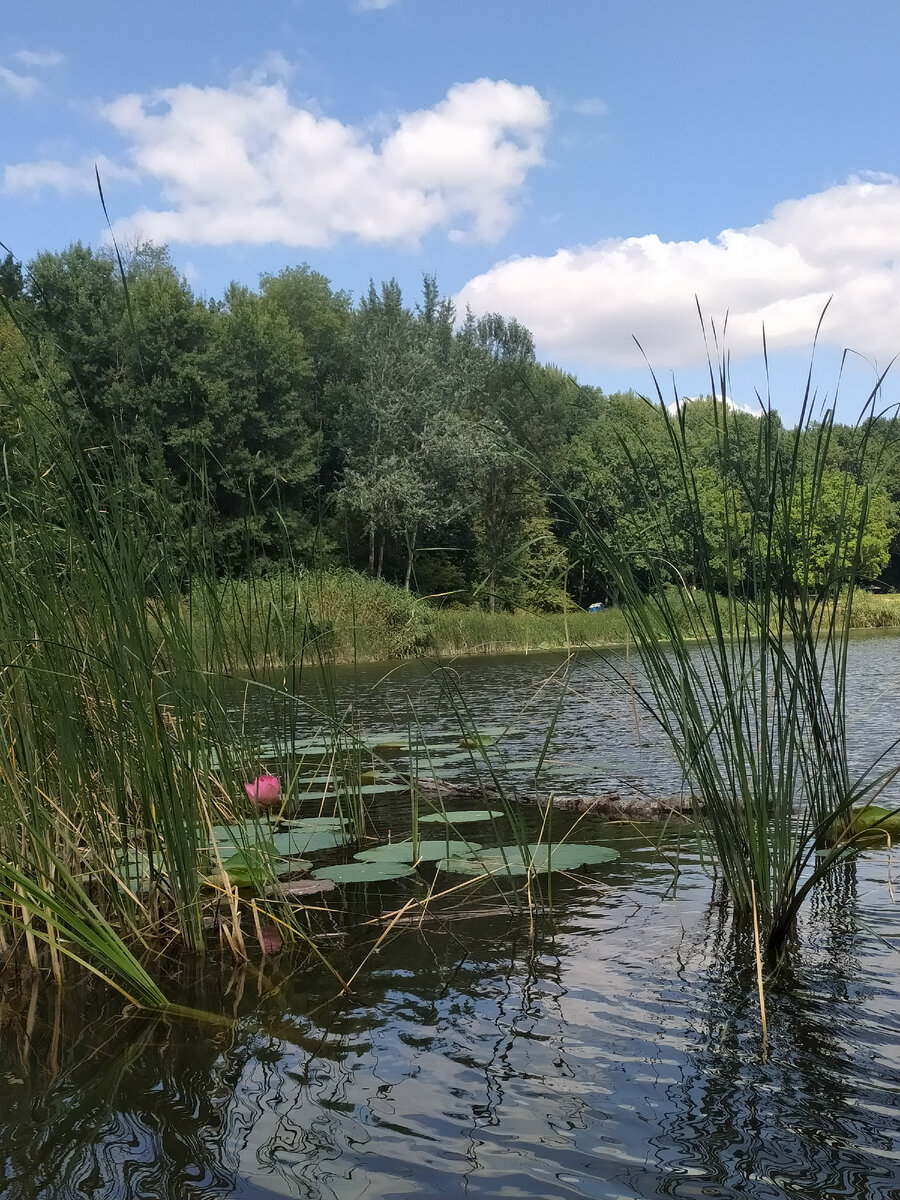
(134, 870)
(299, 888)
(255, 866)
(381, 741)
(571, 770)
(363, 872)
(306, 749)
(306, 841)
(461, 756)
(478, 741)
(465, 816)
(508, 860)
(374, 789)
(428, 850)
(320, 824)
(244, 833)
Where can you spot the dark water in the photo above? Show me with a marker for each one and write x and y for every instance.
(611, 1051)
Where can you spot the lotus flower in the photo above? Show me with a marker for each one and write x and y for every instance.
(264, 791)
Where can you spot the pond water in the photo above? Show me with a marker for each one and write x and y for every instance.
(609, 1048)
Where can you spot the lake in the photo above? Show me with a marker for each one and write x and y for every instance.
(607, 1048)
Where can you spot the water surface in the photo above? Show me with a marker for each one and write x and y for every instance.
(609, 1050)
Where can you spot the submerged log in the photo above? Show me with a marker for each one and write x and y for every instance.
(631, 806)
(623, 803)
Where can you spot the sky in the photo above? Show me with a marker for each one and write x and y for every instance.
(596, 170)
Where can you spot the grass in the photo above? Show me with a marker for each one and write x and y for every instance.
(341, 616)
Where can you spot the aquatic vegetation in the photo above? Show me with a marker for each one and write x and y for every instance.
(750, 688)
(464, 816)
(537, 859)
(364, 872)
(425, 850)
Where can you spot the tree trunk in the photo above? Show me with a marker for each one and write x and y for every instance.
(380, 556)
(410, 551)
(371, 547)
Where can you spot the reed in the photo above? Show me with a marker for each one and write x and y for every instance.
(750, 690)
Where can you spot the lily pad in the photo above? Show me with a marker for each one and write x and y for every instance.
(571, 770)
(321, 824)
(428, 850)
(306, 841)
(134, 870)
(381, 741)
(508, 860)
(363, 872)
(298, 888)
(478, 741)
(373, 789)
(244, 833)
(465, 816)
(254, 866)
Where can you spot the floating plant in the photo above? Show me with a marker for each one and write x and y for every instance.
(363, 872)
(427, 850)
(518, 860)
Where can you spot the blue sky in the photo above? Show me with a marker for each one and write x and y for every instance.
(586, 166)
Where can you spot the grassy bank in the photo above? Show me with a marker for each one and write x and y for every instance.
(342, 616)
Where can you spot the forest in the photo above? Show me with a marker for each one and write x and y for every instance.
(428, 448)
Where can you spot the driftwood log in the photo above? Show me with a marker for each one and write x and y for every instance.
(625, 802)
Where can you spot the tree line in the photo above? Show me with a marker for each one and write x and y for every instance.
(422, 446)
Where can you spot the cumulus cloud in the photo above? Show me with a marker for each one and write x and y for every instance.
(23, 86)
(244, 164)
(586, 304)
(39, 58)
(64, 177)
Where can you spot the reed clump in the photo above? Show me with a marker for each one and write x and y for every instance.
(751, 688)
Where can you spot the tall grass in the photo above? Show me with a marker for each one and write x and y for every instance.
(751, 690)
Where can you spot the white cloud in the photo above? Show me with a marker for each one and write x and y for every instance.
(64, 177)
(39, 58)
(586, 304)
(23, 86)
(244, 164)
(370, 5)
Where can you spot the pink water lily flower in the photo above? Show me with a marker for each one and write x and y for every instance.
(264, 791)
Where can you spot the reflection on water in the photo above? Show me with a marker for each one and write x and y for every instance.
(613, 1051)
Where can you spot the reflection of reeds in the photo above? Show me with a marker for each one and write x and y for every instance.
(750, 689)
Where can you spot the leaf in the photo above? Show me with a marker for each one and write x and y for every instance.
(465, 816)
(373, 789)
(303, 841)
(508, 860)
(255, 866)
(363, 872)
(321, 824)
(428, 850)
(134, 869)
(269, 938)
(297, 888)
(244, 833)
